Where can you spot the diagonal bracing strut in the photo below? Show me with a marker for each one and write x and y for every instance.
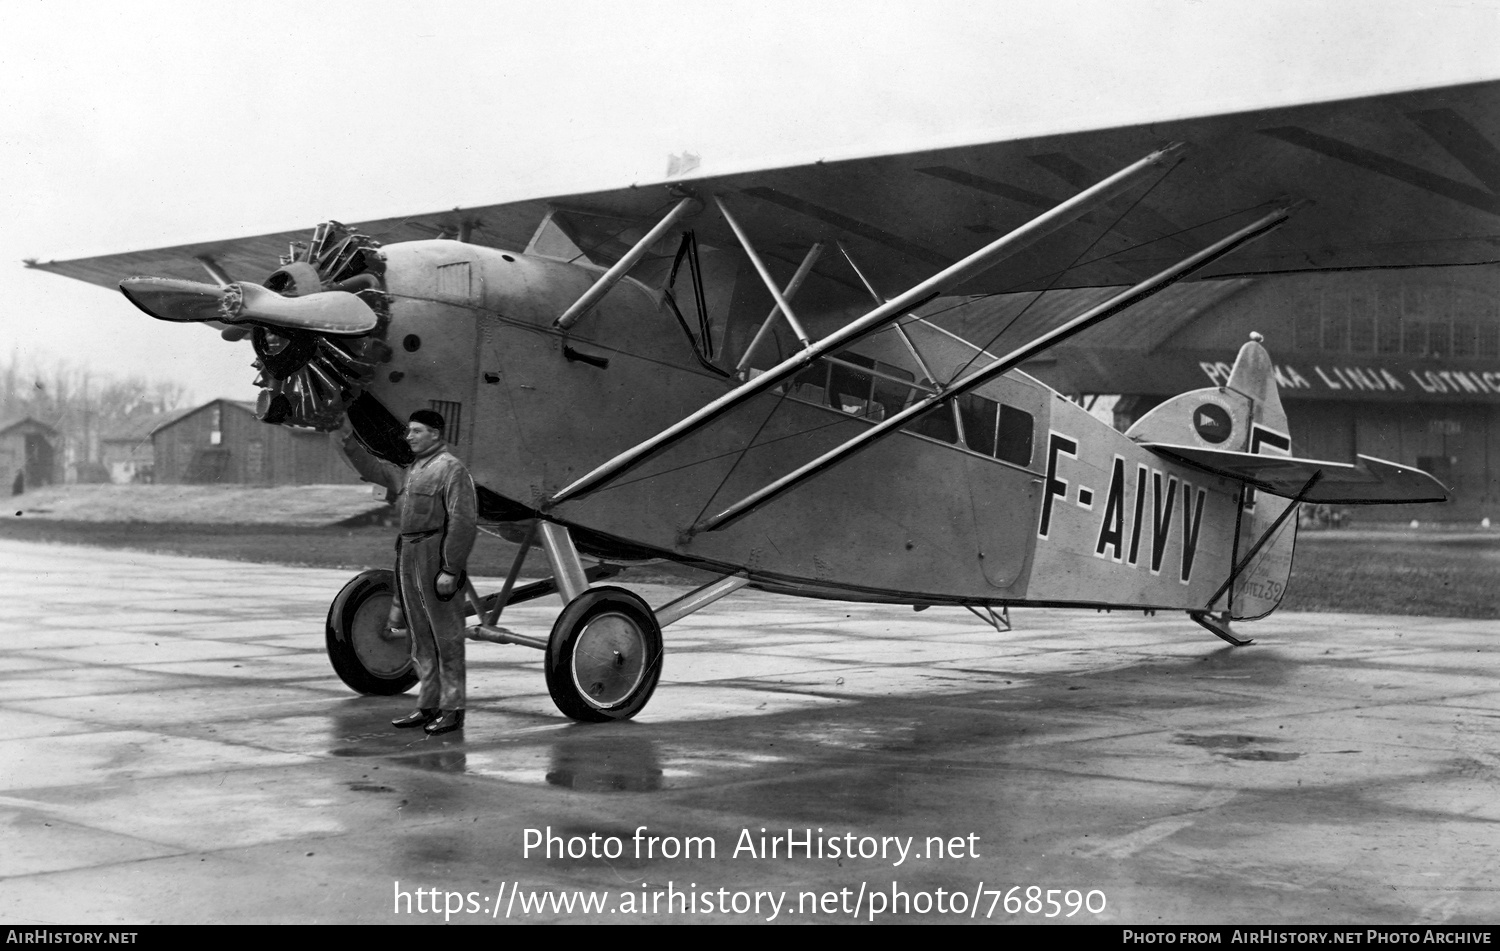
(610, 278)
(969, 267)
(1078, 324)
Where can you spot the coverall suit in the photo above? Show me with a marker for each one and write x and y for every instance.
(436, 499)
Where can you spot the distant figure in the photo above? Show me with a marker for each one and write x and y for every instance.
(19, 486)
(436, 500)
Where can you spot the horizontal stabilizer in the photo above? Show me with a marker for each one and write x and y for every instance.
(1367, 482)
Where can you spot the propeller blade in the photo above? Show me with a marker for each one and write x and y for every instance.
(172, 299)
(326, 312)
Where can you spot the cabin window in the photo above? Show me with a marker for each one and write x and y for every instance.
(849, 390)
(978, 415)
(996, 429)
(891, 397)
(937, 423)
(990, 428)
(1013, 438)
(811, 384)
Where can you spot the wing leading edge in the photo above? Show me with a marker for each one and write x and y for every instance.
(1370, 481)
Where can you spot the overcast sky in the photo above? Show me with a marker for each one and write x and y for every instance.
(136, 125)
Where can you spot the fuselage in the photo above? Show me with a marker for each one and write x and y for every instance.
(1014, 494)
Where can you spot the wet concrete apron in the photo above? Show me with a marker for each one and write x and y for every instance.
(177, 749)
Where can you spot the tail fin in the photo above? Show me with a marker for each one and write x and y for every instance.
(1244, 415)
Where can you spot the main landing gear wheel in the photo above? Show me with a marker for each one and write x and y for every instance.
(604, 656)
(362, 653)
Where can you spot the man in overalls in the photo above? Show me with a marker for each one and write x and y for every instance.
(437, 532)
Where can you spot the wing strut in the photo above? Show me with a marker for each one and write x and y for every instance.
(955, 274)
(803, 269)
(612, 277)
(1050, 339)
(905, 337)
(765, 275)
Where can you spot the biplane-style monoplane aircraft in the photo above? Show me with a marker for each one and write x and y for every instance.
(729, 371)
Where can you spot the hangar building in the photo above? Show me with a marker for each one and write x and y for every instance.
(223, 441)
(1401, 364)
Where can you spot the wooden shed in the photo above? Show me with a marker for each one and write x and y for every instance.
(222, 441)
(28, 454)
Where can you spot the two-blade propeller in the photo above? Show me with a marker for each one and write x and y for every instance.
(334, 312)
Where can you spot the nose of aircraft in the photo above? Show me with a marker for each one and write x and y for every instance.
(317, 323)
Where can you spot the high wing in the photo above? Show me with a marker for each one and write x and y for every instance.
(1369, 481)
(1409, 178)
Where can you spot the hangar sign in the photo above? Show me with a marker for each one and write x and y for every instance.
(1343, 379)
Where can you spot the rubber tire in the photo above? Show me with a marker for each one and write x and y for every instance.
(356, 615)
(612, 605)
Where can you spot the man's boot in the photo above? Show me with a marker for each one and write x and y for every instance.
(447, 722)
(420, 717)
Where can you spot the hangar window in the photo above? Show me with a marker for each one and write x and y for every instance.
(1335, 321)
(1362, 333)
(1413, 338)
(1489, 339)
(1463, 338)
(1308, 331)
(1388, 328)
(1439, 338)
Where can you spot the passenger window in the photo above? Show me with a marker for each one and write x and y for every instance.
(890, 397)
(936, 422)
(1013, 443)
(848, 389)
(978, 415)
(811, 384)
